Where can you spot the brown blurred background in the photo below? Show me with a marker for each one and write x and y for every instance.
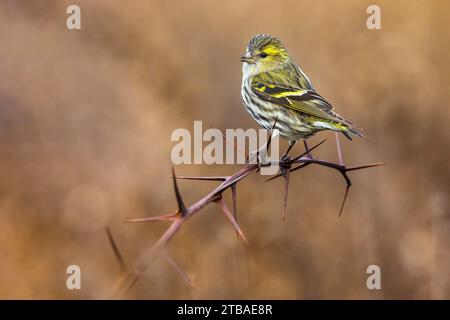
(85, 124)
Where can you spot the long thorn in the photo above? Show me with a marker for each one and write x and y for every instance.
(233, 198)
(308, 151)
(212, 178)
(177, 268)
(181, 206)
(118, 255)
(347, 188)
(230, 217)
(286, 190)
(339, 150)
(366, 166)
(167, 217)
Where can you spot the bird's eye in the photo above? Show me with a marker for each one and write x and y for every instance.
(263, 54)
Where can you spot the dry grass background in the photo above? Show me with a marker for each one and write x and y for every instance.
(85, 124)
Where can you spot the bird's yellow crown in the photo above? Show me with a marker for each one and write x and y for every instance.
(267, 52)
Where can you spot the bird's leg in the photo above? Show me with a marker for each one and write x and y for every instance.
(285, 168)
(285, 160)
(259, 156)
(308, 154)
(285, 155)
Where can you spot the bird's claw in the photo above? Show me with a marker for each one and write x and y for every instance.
(285, 163)
(285, 158)
(259, 157)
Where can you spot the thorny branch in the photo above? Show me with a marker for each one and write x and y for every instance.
(287, 166)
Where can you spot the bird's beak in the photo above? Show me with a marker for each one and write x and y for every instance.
(247, 59)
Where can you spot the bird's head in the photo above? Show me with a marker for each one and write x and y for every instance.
(264, 53)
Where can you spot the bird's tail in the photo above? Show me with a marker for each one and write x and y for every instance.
(349, 129)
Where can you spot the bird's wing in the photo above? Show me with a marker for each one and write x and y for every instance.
(296, 98)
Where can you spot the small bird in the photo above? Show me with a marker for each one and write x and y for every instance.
(275, 88)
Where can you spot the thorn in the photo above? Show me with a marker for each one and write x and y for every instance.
(181, 207)
(249, 168)
(339, 150)
(308, 151)
(286, 189)
(230, 217)
(233, 197)
(213, 178)
(366, 166)
(347, 188)
(118, 255)
(177, 268)
(167, 217)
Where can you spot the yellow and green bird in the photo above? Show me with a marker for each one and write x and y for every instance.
(274, 87)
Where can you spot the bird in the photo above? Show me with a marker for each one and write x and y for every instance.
(276, 91)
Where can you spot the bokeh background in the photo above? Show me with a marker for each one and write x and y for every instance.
(85, 124)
